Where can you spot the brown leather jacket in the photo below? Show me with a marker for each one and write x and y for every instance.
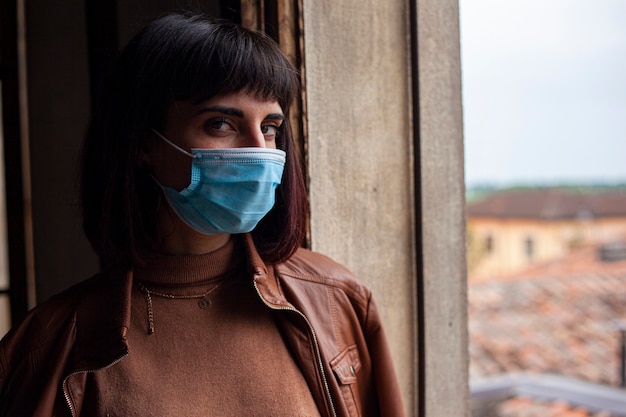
(328, 319)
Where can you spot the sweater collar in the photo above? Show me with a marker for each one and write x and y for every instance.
(103, 316)
(184, 270)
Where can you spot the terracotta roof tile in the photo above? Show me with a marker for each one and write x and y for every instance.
(553, 324)
(550, 203)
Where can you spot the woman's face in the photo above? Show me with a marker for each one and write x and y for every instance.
(233, 120)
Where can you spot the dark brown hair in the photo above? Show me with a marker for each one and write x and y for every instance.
(179, 57)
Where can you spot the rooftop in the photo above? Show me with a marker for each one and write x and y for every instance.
(550, 204)
(560, 318)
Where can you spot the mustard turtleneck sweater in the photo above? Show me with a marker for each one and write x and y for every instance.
(219, 355)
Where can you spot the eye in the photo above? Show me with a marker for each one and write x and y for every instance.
(270, 129)
(217, 125)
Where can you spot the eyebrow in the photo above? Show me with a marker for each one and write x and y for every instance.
(232, 111)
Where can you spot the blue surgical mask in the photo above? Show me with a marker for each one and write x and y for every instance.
(230, 191)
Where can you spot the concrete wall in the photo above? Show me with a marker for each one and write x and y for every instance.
(443, 288)
(385, 136)
(357, 60)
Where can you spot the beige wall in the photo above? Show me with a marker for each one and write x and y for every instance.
(552, 240)
(508, 237)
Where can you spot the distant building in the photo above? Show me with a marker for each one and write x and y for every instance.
(510, 230)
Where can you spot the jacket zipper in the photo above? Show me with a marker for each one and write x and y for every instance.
(320, 364)
(87, 371)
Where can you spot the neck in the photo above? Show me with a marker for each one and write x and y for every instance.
(177, 238)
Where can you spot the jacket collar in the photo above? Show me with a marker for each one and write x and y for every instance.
(264, 277)
(103, 320)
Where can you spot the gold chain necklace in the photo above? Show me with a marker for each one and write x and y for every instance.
(203, 301)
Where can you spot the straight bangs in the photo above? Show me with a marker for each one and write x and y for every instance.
(232, 60)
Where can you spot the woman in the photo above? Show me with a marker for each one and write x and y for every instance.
(193, 198)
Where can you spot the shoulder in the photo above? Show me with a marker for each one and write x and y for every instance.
(314, 269)
(36, 353)
(25, 348)
(45, 323)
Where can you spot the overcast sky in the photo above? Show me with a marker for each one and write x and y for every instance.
(544, 90)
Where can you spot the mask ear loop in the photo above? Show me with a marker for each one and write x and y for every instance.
(174, 145)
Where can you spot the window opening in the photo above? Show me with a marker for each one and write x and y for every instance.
(489, 244)
(529, 248)
(545, 310)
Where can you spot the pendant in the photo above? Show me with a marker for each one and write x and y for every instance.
(204, 303)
